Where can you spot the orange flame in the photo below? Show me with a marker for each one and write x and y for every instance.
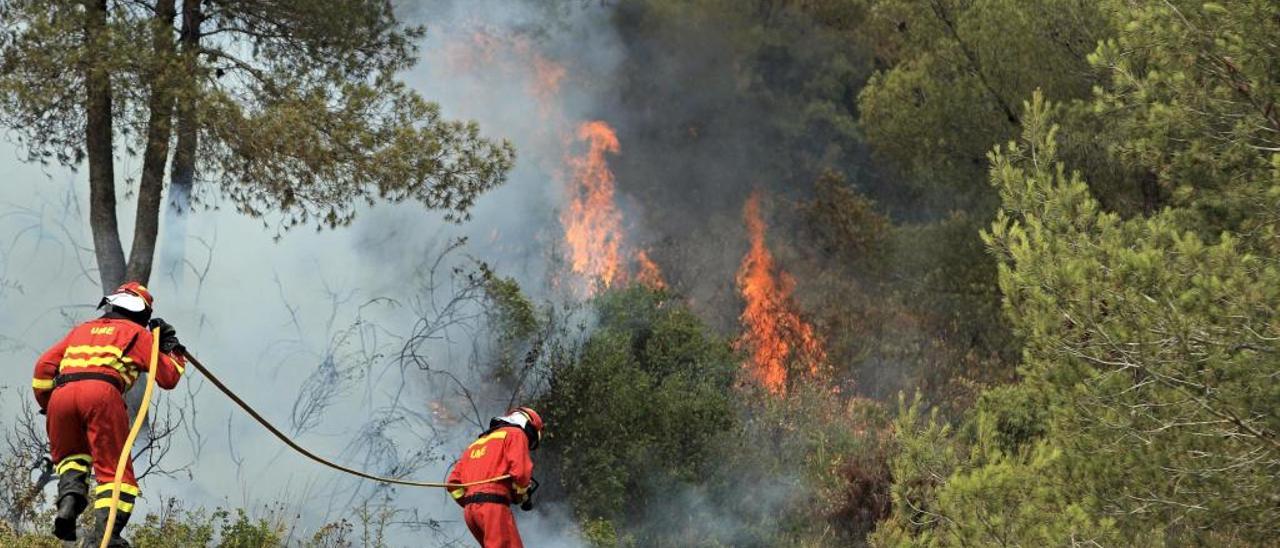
(648, 272)
(592, 223)
(774, 333)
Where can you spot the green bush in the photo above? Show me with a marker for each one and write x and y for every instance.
(176, 527)
(638, 406)
(655, 443)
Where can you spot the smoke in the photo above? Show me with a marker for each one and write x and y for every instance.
(172, 257)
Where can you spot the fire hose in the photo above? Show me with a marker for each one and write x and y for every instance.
(127, 450)
(142, 413)
(317, 458)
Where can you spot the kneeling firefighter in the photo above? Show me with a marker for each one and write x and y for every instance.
(503, 449)
(80, 384)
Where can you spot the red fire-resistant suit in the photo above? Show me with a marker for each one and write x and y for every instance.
(88, 422)
(504, 450)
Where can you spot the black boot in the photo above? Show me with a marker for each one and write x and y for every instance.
(73, 495)
(70, 506)
(100, 526)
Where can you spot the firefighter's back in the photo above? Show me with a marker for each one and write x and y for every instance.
(485, 458)
(102, 346)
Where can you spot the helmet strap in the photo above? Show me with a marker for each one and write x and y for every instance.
(532, 433)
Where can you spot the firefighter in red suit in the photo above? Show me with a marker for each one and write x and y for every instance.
(80, 384)
(503, 449)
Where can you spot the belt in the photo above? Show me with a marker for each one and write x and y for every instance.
(74, 377)
(484, 497)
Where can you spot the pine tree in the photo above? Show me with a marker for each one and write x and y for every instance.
(291, 110)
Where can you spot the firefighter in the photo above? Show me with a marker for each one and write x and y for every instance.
(502, 449)
(79, 384)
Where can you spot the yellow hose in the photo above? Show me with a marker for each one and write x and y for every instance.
(126, 452)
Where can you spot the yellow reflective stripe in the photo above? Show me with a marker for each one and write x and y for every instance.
(128, 373)
(124, 488)
(42, 384)
(106, 503)
(457, 493)
(98, 356)
(72, 465)
(181, 370)
(499, 435)
(112, 350)
(75, 462)
(89, 362)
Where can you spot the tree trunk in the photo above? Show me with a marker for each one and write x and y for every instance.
(156, 154)
(99, 149)
(182, 174)
(975, 64)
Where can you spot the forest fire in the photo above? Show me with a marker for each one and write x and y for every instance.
(647, 272)
(774, 333)
(592, 223)
(593, 228)
(597, 251)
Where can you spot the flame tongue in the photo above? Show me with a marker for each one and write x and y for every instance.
(647, 272)
(596, 248)
(592, 223)
(773, 332)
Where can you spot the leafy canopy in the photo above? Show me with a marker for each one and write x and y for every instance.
(297, 102)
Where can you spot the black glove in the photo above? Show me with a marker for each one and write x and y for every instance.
(168, 336)
(527, 503)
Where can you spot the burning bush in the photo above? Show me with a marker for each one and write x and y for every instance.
(775, 335)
